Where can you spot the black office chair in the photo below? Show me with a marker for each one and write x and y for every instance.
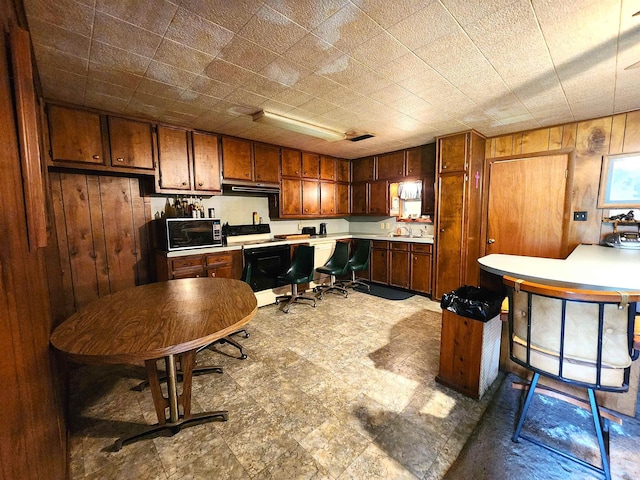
(335, 266)
(580, 337)
(359, 261)
(300, 271)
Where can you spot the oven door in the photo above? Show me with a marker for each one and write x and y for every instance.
(264, 264)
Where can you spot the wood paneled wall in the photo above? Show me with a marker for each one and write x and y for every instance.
(591, 139)
(101, 230)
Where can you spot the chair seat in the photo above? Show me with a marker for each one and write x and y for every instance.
(330, 271)
(294, 277)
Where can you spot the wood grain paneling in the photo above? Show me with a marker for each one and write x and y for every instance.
(536, 141)
(101, 223)
(632, 133)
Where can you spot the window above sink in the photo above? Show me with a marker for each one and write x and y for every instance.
(406, 202)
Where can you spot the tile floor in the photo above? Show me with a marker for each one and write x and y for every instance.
(342, 391)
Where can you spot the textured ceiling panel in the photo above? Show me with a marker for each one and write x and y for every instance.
(405, 71)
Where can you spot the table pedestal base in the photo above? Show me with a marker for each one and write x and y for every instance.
(175, 427)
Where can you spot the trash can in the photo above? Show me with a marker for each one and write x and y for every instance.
(470, 340)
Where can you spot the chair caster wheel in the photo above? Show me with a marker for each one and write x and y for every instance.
(246, 335)
(243, 356)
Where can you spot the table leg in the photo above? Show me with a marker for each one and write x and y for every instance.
(173, 400)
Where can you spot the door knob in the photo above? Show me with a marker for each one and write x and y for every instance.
(491, 240)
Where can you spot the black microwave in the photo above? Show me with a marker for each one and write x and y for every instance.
(187, 233)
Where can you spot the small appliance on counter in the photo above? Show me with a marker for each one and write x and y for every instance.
(309, 231)
(623, 240)
(323, 229)
(187, 233)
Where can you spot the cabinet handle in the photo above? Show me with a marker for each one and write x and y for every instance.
(491, 240)
(197, 276)
(120, 159)
(96, 157)
(184, 184)
(213, 274)
(246, 174)
(200, 184)
(442, 229)
(259, 176)
(444, 167)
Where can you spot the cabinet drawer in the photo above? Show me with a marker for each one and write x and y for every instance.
(225, 271)
(219, 259)
(186, 263)
(421, 247)
(380, 244)
(399, 246)
(188, 273)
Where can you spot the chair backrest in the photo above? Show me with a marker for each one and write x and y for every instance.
(360, 259)
(303, 261)
(340, 257)
(582, 337)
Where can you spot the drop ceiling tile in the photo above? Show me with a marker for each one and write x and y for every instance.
(307, 14)
(226, 72)
(153, 16)
(247, 54)
(275, 106)
(317, 106)
(272, 30)
(182, 57)
(338, 95)
(146, 105)
(292, 97)
(231, 15)
(455, 47)
(177, 118)
(316, 85)
(115, 58)
(191, 98)
(106, 102)
(67, 14)
(509, 24)
(124, 35)
(210, 87)
(263, 86)
(105, 88)
(244, 98)
(424, 26)
(158, 89)
(386, 14)
(106, 74)
(51, 56)
(379, 51)
(344, 70)
(368, 83)
(391, 94)
(347, 28)
(197, 32)
(469, 11)
(66, 41)
(403, 67)
(285, 72)
(169, 74)
(312, 52)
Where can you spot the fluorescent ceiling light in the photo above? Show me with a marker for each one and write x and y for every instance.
(298, 126)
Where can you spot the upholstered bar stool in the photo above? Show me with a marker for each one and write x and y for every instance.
(580, 337)
(335, 266)
(358, 262)
(300, 271)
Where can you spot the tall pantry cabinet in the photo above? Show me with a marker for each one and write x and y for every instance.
(459, 210)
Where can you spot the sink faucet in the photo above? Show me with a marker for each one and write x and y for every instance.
(408, 229)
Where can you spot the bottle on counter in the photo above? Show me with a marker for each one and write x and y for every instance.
(255, 218)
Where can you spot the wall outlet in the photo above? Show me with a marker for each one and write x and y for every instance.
(387, 226)
(579, 216)
(382, 226)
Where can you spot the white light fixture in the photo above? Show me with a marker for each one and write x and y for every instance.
(299, 126)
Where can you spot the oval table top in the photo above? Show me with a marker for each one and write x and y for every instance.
(155, 320)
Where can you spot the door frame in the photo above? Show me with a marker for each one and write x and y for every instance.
(566, 217)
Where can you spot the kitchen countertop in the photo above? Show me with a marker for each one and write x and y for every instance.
(312, 240)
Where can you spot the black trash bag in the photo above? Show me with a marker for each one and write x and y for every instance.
(473, 302)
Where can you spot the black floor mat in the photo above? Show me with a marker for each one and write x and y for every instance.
(385, 292)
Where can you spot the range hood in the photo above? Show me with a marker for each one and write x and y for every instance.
(238, 187)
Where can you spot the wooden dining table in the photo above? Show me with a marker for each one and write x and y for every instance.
(166, 320)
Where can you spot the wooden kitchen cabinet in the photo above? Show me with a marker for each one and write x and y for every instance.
(378, 198)
(343, 170)
(342, 198)
(291, 163)
(421, 257)
(223, 264)
(391, 166)
(359, 194)
(327, 198)
(459, 206)
(399, 264)
(237, 161)
(363, 169)
(327, 168)
(290, 197)
(310, 165)
(206, 162)
(380, 261)
(310, 197)
(131, 143)
(266, 163)
(174, 166)
(421, 162)
(75, 135)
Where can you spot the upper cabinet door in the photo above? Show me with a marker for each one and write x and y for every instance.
(236, 159)
(363, 169)
(327, 168)
(421, 161)
(453, 153)
(75, 135)
(310, 165)
(267, 163)
(206, 162)
(173, 159)
(131, 143)
(291, 163)
(391, 166)
(343, 170)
